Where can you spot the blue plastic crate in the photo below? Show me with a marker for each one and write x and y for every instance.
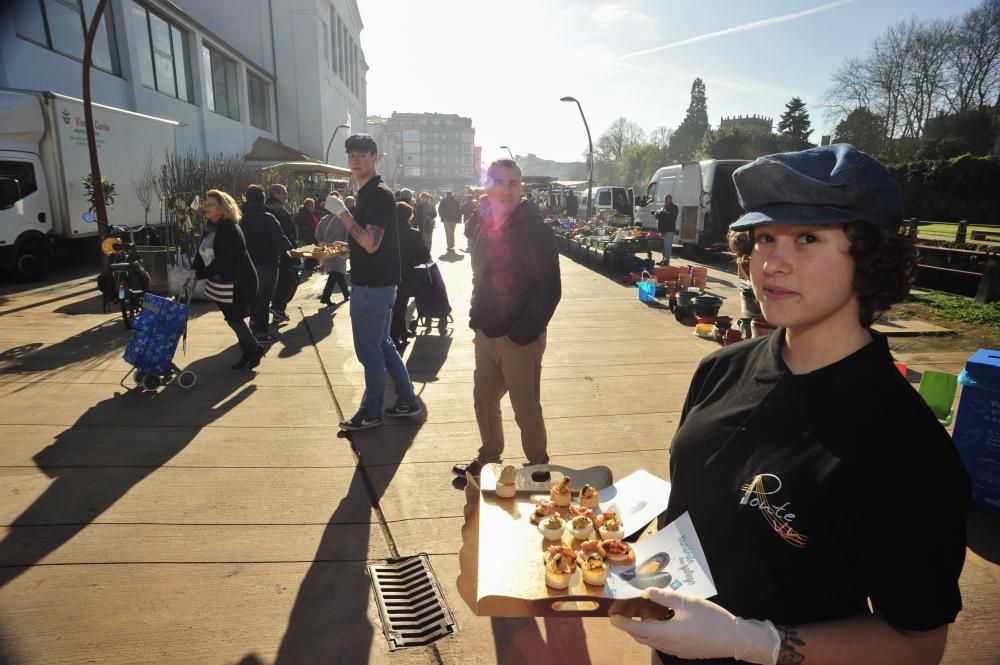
(977, 427)
(155, 334)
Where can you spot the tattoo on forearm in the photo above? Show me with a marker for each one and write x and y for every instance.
(370, 237)
(789, 653)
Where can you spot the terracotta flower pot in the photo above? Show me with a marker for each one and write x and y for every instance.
(761, 327)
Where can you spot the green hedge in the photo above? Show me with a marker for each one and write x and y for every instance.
(949, 190)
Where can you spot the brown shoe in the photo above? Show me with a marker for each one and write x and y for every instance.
(475, 467)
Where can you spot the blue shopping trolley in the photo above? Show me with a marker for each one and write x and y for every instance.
(155, 333)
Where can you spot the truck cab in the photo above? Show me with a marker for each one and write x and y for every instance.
(25, 215)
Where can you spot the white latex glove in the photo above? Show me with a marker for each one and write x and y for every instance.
(335, 205)
(702, 629)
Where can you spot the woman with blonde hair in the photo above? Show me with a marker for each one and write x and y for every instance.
(223, 260)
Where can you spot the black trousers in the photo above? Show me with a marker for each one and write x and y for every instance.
(397, 326)
(333, 277)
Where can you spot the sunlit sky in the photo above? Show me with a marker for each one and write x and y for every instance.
(506, 64)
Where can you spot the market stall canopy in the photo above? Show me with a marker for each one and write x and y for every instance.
(311, 168)
(571, 184)
(266, 150)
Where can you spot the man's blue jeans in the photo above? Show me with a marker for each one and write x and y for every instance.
(371, 313)
(668, 246)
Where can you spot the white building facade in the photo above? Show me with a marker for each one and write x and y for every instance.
(230, 71)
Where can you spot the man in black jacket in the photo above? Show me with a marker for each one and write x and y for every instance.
(515, 289)
(666, 226)
(288, 271)
(266, 244)
(451, 214)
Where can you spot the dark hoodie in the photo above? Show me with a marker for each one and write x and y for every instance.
(265, 240)
(515, 275)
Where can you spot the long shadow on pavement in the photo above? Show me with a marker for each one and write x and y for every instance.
(111, 448)
(319, 325)
(332, 621)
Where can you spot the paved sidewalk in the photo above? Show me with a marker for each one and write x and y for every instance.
(230, 524)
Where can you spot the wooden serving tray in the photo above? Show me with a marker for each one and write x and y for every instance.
(502, 573)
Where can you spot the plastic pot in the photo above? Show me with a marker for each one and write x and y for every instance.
(761, 327)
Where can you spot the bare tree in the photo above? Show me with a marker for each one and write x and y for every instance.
(621, 134)
(147, 186)
(660, 137)
(973, 67)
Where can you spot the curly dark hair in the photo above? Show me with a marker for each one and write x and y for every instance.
(885, 265)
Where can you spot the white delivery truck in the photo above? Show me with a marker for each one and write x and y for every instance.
(705, 197)
(43, 160)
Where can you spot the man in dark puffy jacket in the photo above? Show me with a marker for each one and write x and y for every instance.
(266, 244)
(515, 290)
(451, 214)
(288, 270)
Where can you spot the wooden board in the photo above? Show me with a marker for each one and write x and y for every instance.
(508, 550)
(909, 327)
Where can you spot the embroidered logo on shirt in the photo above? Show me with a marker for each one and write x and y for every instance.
(756, 493)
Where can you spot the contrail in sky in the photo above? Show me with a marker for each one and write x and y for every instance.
(753, 25)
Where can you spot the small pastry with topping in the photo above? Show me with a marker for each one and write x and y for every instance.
(560, 564)
(590, 547)
(581, 527)
(542, 510)
(616, 551)
(576, 511)
(588, 497)
(507, 483)
(552, 527)
(595, 571)
(561, 494)
(609, 526)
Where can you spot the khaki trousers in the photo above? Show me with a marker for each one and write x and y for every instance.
(502, 368)
(449, 233)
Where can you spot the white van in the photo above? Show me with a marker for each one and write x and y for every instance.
(705, 197)
(612, 202)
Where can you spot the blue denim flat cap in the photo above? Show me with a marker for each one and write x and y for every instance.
(360, 143)
(832, 184)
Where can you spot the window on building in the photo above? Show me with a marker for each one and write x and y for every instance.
(340, 47)
(411, 135)
(334, 39)
(162, 50)
(221, 83)
(61, 25)
(326, 44)
(259, 92)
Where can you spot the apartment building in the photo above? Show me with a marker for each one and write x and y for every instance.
(428, 151)
(269, 78)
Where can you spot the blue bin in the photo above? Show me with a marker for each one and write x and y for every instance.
(977, 427)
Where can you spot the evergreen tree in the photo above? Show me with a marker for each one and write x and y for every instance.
(793, 128)
(686, 140)
(862, 129)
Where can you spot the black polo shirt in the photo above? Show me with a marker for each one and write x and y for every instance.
(812, 493)
(375, 206)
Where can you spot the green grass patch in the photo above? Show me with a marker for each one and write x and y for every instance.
(962, 309)
(950, 229)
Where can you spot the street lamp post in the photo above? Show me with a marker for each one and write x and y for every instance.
(590, 148)
(326, 158)
(503, 147)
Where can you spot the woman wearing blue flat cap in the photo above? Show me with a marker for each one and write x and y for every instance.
(830, 502)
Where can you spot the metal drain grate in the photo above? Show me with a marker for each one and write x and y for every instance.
(410, 601)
